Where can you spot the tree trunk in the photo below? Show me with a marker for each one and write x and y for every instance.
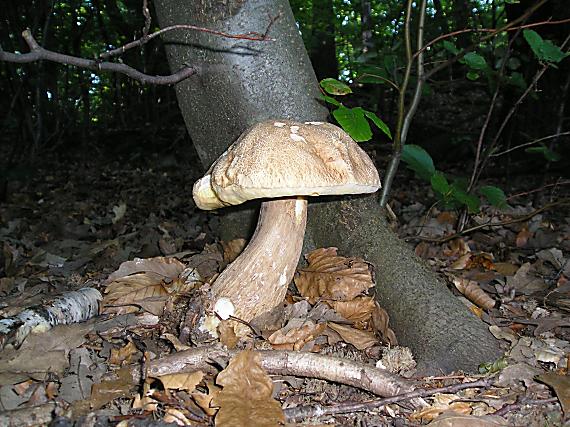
(242, 82)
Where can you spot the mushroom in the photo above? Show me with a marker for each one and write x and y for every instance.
(283, 161)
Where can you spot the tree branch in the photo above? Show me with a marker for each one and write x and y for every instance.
(38, 53)
(252, 35)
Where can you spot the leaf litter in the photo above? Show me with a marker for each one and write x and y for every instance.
(153, 262)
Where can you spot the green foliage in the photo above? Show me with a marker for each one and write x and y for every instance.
(418, 160)
(452, 195)
(335, 87)
(355, 121)
(494, 195)
(549, 155)
(544, 50)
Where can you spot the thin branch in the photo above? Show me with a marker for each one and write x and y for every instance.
(493, 31)
(252, 35)
(512, 111)
(526, 144)
(384, 79)
(304, 412)
(38, 53)
(481, 139)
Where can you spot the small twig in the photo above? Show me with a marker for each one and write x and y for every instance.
(526, 144)
(490, 224)
(384, 79)
(522, 402)
(494, 31)
(526, 193)
(317, 410)
(252, 35)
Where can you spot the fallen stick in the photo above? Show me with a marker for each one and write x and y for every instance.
(301, 364)
(70, 307)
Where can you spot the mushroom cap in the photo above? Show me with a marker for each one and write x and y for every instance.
(283, 159)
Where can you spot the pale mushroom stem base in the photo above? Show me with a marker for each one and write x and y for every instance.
(257, 280)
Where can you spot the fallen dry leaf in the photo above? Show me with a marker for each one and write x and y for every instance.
(232, 249)
(227, 334)
(203, 400)
(245, 399)
(561, 386)
(443, 403)
(360, 339)
(522, 237)
(380, 321)
(525, 281)
(473, 292)
(453, 419)
(182, 381)
(123, 354)
(333, 277)
(166, 268)
(172, 415)
(359, 310)
(293, 337)
(106, 391)
(123, 295)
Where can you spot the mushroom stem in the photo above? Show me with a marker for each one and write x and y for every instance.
(257, 280)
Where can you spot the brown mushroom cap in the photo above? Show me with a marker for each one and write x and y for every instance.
(285, 158)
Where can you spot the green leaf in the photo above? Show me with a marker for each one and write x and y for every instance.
(465, 198)
(544, 50)
(450, 47)
(495, 196)
(378, 122)
(352, 120)
(516, 79)
(330, 100)
(418, 160)
(439, 183)
(335, 87)
(475, 61)
(472, 75)
(548, 154)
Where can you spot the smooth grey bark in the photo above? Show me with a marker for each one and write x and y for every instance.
(243, 82)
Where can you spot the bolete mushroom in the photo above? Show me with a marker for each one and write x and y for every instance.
(282, 161)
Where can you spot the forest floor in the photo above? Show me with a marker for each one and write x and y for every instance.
(79, 222)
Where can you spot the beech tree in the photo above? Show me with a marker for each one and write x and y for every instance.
(239, 83)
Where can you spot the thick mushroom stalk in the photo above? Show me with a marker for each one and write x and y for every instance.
(257, 280)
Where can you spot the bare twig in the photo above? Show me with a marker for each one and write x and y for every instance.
(526, 144)
(317, 410)
(493, 31)
(38, 53)
(254, 36)
(511, 112)
(526, 193)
